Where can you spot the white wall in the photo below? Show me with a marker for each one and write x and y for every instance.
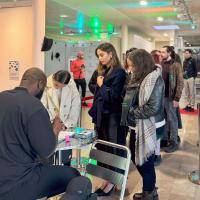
(16, 39)
(141, 43)
(160, 44)
(116, 41)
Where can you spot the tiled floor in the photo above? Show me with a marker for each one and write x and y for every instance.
(172, 174)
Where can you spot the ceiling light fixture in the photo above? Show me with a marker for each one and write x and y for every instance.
(143, 3)
(193, 26)
(165, 34)
(160, 19)
(64, 16)
(167, 27)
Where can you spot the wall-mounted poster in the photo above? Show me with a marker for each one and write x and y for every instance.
(14, 70)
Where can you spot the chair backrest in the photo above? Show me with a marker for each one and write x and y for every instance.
(113, 168)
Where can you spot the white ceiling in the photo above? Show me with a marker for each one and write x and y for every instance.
(114, 11)
(117, 13)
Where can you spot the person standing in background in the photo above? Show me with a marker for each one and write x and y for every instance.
(78, 69)
(177, 57)
(189, 75)
(173, 77)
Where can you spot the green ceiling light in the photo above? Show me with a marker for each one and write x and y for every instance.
(95, 22)
(96, 31)
(80, 20)
(61, 24)
(99, 36)
(61, 32)
(87, 36)
(110, 28)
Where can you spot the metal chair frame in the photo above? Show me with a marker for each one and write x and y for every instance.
(113, 160)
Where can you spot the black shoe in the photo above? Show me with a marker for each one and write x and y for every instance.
(164, 143)
(105, 194)
(84, 104)
(145, 195)
(186, 108)
(172, 148)
(98, 191)
(178, 139)
(157, 160)
(190, 109)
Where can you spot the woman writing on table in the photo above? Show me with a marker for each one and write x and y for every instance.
(61, 98)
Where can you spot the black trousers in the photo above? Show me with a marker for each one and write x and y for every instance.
(147, 170)
(82, 83)
(111, 131)
(47, 181)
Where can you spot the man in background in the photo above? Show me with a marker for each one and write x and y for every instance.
(190, 73)
(78, 69)
(173, 78)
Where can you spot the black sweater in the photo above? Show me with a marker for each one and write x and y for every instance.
(26, 136)
(189, 68)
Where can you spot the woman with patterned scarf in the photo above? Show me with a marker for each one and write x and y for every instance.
(142, 102)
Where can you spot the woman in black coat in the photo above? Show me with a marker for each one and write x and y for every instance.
(107, 84)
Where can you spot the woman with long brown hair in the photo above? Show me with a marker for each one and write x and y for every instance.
(107, 83)
(141, 104)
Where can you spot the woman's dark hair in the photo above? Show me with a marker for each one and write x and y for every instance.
(170, 50)
(130, 50)
(143, 64)
(115, 63)
(155, 56)
(62, 76)
(127, 53)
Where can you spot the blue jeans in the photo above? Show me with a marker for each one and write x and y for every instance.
(147, 170)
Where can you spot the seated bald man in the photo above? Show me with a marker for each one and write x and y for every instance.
(26, 137)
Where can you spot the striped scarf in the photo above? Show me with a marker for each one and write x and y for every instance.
(145, 128)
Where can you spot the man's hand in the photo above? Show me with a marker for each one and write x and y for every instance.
(175, 104)
(100, 81)
(57, 125)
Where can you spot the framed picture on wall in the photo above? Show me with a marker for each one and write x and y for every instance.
(14, 70)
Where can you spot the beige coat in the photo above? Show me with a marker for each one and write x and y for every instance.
(70, 104)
